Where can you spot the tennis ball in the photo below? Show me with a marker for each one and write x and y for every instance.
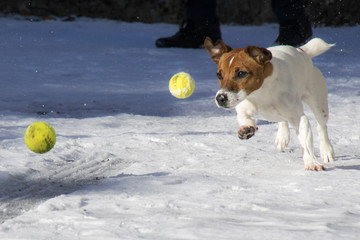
(40, 137)
(181, 85)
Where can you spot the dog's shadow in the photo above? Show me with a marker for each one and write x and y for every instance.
(348, 158)
(263, 122)
(351, 167)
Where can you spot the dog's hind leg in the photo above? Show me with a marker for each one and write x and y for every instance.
(317, 101)
(304, 133)
(282, 136)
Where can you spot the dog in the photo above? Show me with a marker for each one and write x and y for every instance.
(275, 82)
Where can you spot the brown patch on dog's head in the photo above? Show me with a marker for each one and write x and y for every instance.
(242, 68)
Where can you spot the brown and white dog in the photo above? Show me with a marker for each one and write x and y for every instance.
(274, 82)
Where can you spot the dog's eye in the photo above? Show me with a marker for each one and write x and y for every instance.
(241, 74)
(219, 75)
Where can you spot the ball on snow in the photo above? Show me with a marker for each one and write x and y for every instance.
(40, 137)
(181, 85)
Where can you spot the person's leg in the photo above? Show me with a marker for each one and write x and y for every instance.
(201, 11)
(201, 21)
(294, 27)
(288, 10)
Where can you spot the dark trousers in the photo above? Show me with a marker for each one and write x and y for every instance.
(201, 11)
(288, 10)
(204, 11)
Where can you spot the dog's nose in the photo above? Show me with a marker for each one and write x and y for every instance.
(221, 98)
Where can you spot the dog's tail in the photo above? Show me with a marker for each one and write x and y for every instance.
(315, 47)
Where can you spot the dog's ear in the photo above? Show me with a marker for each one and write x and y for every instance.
(260, 55)
(216, 50)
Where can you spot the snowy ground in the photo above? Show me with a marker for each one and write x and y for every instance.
(132, 162)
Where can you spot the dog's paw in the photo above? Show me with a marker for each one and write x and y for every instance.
(314, 167)
(246, 132)
(327, 153)
(281, 143)
(282, 138)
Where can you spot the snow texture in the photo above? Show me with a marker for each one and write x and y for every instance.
(133, 162)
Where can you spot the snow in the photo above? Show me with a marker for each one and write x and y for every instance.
(133, 162)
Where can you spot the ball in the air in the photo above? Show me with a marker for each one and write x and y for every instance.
(181, 85)
(40, 137)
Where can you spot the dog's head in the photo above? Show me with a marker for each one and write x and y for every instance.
(240, 71)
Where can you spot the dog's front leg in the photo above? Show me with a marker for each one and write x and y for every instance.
(282, 136)
(245, 112)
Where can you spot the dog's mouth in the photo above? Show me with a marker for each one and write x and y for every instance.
(228, 99)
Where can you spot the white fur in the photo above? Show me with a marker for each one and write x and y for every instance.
(233, 97)
(231, 60)
(294, 80)
(316, 47)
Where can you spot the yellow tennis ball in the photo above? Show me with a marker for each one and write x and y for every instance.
(181, 85)
(40, 137)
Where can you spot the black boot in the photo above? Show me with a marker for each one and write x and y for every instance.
(294, 33)
(191, 35)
